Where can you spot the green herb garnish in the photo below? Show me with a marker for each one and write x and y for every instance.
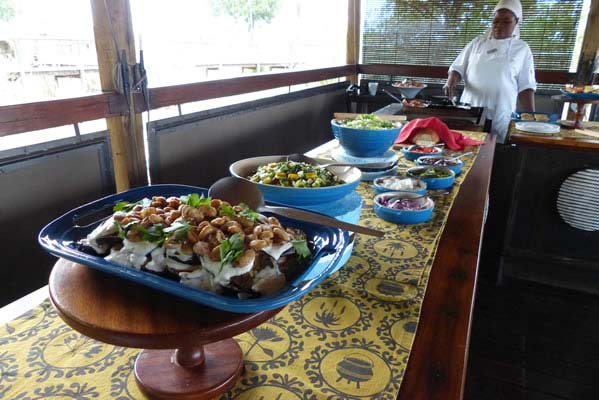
(121, 231)
(248, 213)
(154, 233)
(301, 248)
(125, 206)
(231, 249)
(195, 200)
(178, 229)
(227, 210)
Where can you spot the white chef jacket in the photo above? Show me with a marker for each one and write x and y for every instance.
(494, 72)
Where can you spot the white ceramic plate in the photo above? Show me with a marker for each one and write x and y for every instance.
(577, 200)
(537, 127)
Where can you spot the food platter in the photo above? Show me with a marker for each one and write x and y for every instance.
(60, 237)
(550, 118)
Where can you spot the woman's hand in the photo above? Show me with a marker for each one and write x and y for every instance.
(451, 86)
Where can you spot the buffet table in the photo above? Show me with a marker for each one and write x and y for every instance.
(395, 320)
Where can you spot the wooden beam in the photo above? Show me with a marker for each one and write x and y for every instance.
(353, 37)
(428, 71)
(590, 45)
(113, 32)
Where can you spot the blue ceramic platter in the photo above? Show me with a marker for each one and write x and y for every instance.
(60, 236)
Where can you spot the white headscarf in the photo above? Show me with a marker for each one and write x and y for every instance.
(515, 7)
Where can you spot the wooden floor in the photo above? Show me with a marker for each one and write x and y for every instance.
(531, 341)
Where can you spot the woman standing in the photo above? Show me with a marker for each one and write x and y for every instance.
(498, 70)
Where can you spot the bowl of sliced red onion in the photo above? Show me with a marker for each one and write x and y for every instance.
(403, 207)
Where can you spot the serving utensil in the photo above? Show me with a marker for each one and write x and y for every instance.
(235, 191)
(297, 157)
(420, 200)
(462, 155)
(394, 97)
(440, 160)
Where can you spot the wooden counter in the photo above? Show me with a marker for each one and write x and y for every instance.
(567, 139)
(438, 360)
(538, 244)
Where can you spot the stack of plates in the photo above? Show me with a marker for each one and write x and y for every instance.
(538, 127)
(368, 174)
(577, 200)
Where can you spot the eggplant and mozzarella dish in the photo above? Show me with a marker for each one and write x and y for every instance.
(203, 243)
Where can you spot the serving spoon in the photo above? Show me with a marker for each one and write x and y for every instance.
(462, 155)
(297, 157)
(421, 200)
(236, 190)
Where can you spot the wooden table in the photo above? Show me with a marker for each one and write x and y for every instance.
(206, 362)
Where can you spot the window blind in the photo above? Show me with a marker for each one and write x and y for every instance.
(433, 32)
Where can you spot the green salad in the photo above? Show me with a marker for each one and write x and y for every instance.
(434, 173)
(367, 121)
(295, 174)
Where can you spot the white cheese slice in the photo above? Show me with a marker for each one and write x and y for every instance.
(119, 257)
(200, 279)
(179, 266)
(174, 250)
(223, 275)
(275, 250)
(132, 254)
(158, 262)
(106, 228)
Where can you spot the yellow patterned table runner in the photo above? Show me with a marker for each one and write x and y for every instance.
(348, 338)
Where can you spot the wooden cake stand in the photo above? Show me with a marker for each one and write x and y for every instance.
(206, 362)
(580, 103)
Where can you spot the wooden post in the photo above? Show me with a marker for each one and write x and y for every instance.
(353, 37)
(113, 28)
(590, 47)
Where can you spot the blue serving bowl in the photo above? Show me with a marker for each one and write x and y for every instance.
(384, 184)
(365, 142)
(433, 183)
(431, 160)
(297, 196)
(403, 216)
(413, 155)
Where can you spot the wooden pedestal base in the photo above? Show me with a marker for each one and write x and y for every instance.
(213, 370)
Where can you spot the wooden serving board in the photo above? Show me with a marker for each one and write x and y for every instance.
(385, 117)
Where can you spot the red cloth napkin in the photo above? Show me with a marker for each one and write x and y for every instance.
(453, 140)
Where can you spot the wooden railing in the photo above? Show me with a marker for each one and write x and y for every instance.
(48, 114)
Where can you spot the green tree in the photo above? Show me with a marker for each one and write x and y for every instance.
(250, 11)
(7, 10)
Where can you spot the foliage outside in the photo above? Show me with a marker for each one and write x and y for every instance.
(434, 32)
(250, 11)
